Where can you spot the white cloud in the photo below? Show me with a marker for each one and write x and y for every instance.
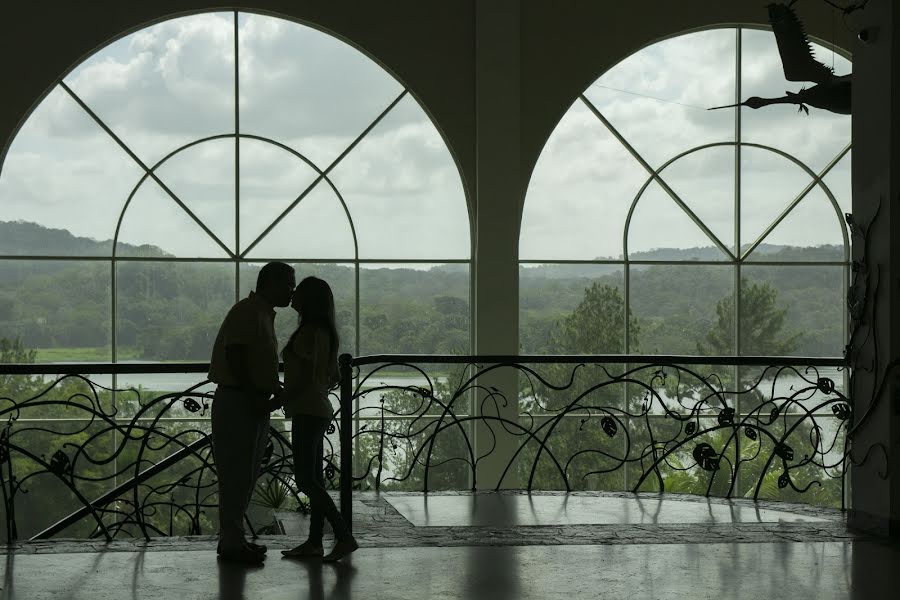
(173, 83)
(585, 180)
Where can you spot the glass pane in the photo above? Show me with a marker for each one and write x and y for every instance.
(271, 179)
(657, 97)
(58, 309)
(63, 183)
(796, 389)
(682, 310)
(48, 499)
(769, 183)
(792, 311)
(661, 230)
(597, 457)
(591, 389)
(811, 231)
(202, 177)
(170, 311)
(817, 448)
(154, 225)
(317, 227)
(414, 309)
(663, 450)
(571, 309)
(686, 389)
(404, 191)
(579, 193)
(448, 468)
(165, 85)
(409, 390)
(306, 88)
(813, 138)
(704, 181)
(139, 390)
(342, 280)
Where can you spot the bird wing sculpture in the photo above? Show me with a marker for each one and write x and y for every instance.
(829, 92)
(794, 47)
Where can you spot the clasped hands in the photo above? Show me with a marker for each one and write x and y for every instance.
(268, 402)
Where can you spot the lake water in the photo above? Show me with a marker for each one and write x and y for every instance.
(181, 381)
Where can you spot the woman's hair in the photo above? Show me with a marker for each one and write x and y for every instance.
(317, 309)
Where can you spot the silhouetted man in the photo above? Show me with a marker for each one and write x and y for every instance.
(245, 366)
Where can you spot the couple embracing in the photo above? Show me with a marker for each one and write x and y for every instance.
(244, 364)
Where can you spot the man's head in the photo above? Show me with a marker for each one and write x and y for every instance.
(275, 283)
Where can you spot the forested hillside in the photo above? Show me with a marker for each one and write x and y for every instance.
(169, 310)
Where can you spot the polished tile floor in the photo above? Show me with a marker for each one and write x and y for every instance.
(642, 547)
(790, 571)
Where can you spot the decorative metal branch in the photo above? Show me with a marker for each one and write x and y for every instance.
(133, 476)
(654, 420)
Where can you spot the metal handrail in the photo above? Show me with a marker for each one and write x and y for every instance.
(109, 368)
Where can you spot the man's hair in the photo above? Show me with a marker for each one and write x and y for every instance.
(271, 272)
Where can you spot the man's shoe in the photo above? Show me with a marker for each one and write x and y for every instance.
(260, 548)
(241, 554)
(304, 550)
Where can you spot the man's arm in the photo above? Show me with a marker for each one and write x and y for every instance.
(236, 355)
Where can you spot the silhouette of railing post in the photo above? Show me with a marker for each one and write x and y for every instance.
(346, 412)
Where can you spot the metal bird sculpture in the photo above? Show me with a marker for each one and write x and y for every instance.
(830, 92)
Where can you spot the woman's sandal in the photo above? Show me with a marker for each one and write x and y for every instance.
(304, 550)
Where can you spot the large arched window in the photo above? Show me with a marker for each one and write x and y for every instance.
(682, 217)
(141, 196)
(655, 226)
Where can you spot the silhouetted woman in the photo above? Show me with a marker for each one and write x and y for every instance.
(310, 371)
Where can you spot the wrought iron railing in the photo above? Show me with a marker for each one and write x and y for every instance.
(759, 427)
(90, 460)
(81, 459)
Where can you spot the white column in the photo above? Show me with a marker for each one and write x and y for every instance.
(498, 199)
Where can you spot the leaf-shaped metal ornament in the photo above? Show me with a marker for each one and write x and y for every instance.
(784, 451)
(825, 385)
(329, 472)
(774, 414)
(59, 463)
(841, 410)
(726, 416)
(191, 405)
(331, 428)
(750, 433)
(690, 428)
(783, 480)
(706, 457)
(608, 424)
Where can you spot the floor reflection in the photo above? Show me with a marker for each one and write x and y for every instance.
(501, 510)
(233, 579)
(777, 571)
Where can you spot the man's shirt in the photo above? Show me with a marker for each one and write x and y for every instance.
(249, 323)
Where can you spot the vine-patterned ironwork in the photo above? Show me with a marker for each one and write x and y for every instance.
(695, 403)
(131, 476)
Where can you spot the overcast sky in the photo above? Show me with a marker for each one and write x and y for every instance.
(173, 83)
